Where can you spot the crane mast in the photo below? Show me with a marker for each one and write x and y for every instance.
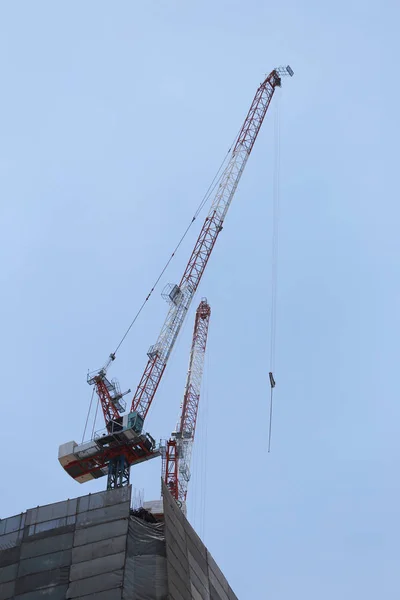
(178, 451)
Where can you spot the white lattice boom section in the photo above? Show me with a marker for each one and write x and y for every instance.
(178, 451)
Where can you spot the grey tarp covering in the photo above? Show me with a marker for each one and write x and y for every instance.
(70, 549)
(145, 564)
(92, 548)
(192, 572)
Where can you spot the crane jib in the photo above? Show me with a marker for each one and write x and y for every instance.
(159, 353)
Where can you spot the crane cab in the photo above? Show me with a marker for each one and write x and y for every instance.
(129, 425)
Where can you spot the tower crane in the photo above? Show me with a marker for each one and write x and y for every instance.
(124, 443)
(178, 449)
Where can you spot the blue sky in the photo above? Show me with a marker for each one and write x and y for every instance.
(115, 117)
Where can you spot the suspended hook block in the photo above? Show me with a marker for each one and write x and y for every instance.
(272, 380)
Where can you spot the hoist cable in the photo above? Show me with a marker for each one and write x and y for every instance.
(204, 200)
(87, 418)
(95, 417)
(270, 419)
(274, 258)
(153, 288)
(275, 236)
(205, 450)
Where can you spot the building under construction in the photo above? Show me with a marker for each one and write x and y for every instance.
(97, 547)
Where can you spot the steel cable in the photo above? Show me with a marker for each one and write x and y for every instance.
(204, 200)
(87, 418)
(274, 260)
